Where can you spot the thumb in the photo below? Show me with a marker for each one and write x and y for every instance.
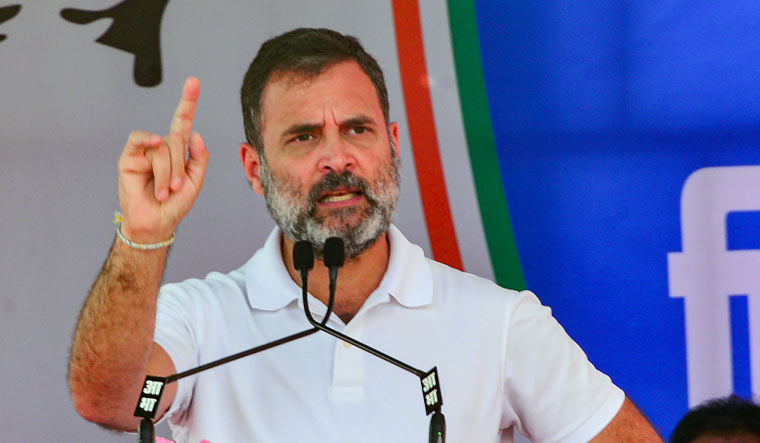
(196, 164)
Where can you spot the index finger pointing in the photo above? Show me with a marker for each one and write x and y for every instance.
(182, 122)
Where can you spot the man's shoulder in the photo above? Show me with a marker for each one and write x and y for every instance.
(213, 284)
(454, 279)
(235, 280)
(446, 280)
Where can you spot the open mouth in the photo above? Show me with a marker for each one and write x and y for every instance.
(339, 195)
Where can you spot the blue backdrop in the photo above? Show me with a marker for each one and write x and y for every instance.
(600, 112)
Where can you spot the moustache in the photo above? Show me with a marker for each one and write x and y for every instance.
(333, 181)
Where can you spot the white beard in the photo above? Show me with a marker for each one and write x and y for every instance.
(295, 213)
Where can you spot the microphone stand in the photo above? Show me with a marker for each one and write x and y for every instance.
(303, 261)
(153, 387)
(303, 258)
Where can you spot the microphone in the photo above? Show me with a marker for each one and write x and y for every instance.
(303, 261)
(150, 395)
(303, 257)
(334, 256)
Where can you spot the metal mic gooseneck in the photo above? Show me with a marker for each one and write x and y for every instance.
(334, 256)
(153, 387)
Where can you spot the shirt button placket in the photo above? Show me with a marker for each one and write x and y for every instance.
(348, 367)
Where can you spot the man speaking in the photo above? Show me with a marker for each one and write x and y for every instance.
(323, 153)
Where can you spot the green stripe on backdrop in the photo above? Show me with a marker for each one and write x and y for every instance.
(482, 148)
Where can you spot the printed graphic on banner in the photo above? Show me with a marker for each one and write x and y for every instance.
(706, 273)
(136, 28)
(7, 13)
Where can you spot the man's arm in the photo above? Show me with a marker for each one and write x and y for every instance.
(113, 345)
(629, 425)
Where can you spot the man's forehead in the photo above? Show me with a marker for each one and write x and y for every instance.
(292, 79)
(290, 92)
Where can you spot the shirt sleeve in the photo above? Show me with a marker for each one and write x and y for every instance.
(176, 331)
(554, 393)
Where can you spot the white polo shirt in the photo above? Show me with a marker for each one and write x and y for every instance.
(503, 361)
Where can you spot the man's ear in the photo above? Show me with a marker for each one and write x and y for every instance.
(393, 130)
(252, 166)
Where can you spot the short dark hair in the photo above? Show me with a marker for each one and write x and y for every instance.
(304, 51)
(727, 416)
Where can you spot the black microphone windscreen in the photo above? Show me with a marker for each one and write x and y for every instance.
(303, 256)
(334, 252)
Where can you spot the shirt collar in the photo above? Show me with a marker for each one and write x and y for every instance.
(407, 279)
(268, 284)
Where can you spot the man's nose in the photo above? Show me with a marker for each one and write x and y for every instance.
(336, 155)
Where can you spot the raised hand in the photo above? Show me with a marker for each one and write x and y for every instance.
(160, 178)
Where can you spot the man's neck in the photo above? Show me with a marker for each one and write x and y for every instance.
(358, 277)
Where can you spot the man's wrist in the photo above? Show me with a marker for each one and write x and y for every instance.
(142, 242)
(143, 246)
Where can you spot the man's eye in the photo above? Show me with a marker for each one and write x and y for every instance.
(303, 138)
(357, 130)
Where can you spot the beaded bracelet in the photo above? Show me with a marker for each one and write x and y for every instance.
(140, 246)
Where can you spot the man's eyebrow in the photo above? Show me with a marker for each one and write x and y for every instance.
(300, 128)
(358, 120)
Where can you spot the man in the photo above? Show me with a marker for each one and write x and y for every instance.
(322, 151)
(721, 420)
